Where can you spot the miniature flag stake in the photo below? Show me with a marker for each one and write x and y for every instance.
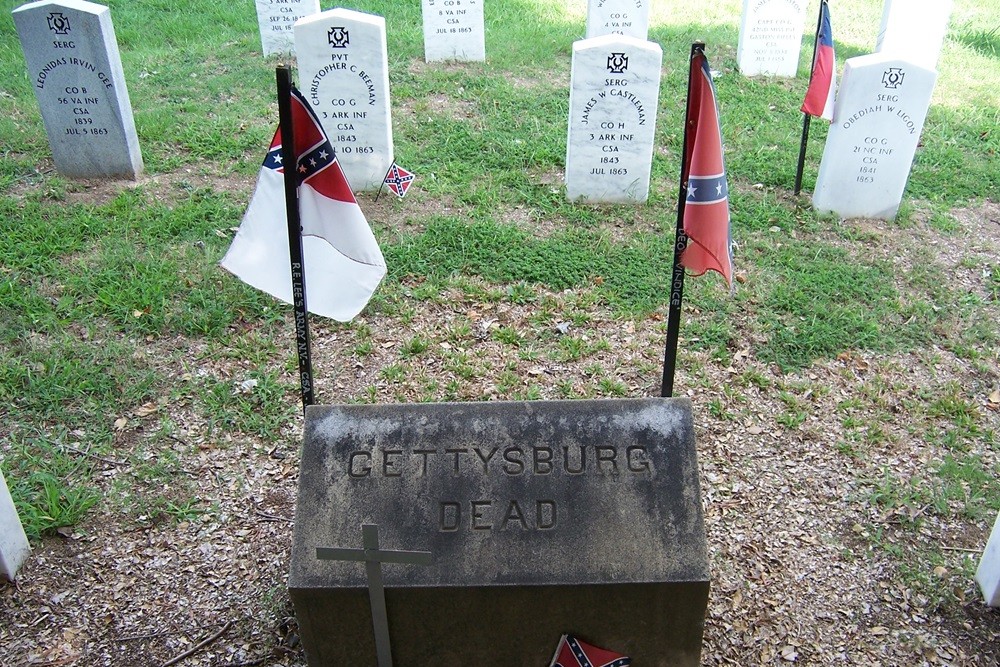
(283, 75)
(824, 17)
(398, 179)
(677, 281)
(303, 209)
(703, 226)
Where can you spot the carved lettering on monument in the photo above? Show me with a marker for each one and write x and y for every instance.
(512, 461)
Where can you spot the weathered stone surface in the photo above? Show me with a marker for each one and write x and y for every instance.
(344, 74)
(76, 72)
(541, 517)
(276, 19)
(914, 30)
(454, 30)
(770, 37)
(988, 572)
(618, 17)
(14, 547)
(614, 92)
(877, 120)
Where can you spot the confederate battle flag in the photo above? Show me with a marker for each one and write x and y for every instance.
(706, 207)
(572, 652)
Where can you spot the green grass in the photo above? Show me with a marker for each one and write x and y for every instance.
(89, 281)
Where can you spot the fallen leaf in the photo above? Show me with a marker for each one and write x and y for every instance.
(121, 423)
(146, 409)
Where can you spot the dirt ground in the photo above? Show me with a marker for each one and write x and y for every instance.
(806, 567)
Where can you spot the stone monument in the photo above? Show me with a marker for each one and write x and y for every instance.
(492, 529)
(14, 548)
(276, 19)
(914, 30)
(881, 105)
(454, 30)
(614, 92)
(618, 17)
(988, 572)
(770, 37)
(344, 74)
(76, 71)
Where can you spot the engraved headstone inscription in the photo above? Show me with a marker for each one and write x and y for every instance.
(76, 72)
(770, 37)
(276, 19)
(914, 30)
(614, 92)
(988, 572)
(344, 74)
(454, 30)
(879, 114)
(542, 517)
(618, 17)
(14, 548)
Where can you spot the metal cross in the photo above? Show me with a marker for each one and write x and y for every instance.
(373, 557)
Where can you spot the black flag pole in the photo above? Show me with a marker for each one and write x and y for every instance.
(677, 280)
(382, 184)
(289, 159)
(806, 117)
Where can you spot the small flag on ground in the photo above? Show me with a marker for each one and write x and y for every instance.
(398, 180)
(343, 263)
(822, 83)
(572, 652)
(706, 207)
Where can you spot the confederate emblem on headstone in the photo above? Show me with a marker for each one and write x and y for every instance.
(59, 23)
(893, 77)
(339, 37)
(617, 63)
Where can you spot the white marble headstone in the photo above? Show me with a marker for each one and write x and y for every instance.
(879, 114)
(76, 72)
(276, 19)
(618, 17)
(614, 92)
(771, 37)
(988, 572)
(454, 30)
(914, 30)
(344, 75)
(14, 547)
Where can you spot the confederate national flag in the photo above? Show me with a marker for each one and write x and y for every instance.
(342, 260)
(706, 207)
(572, 652)
(822, 83)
